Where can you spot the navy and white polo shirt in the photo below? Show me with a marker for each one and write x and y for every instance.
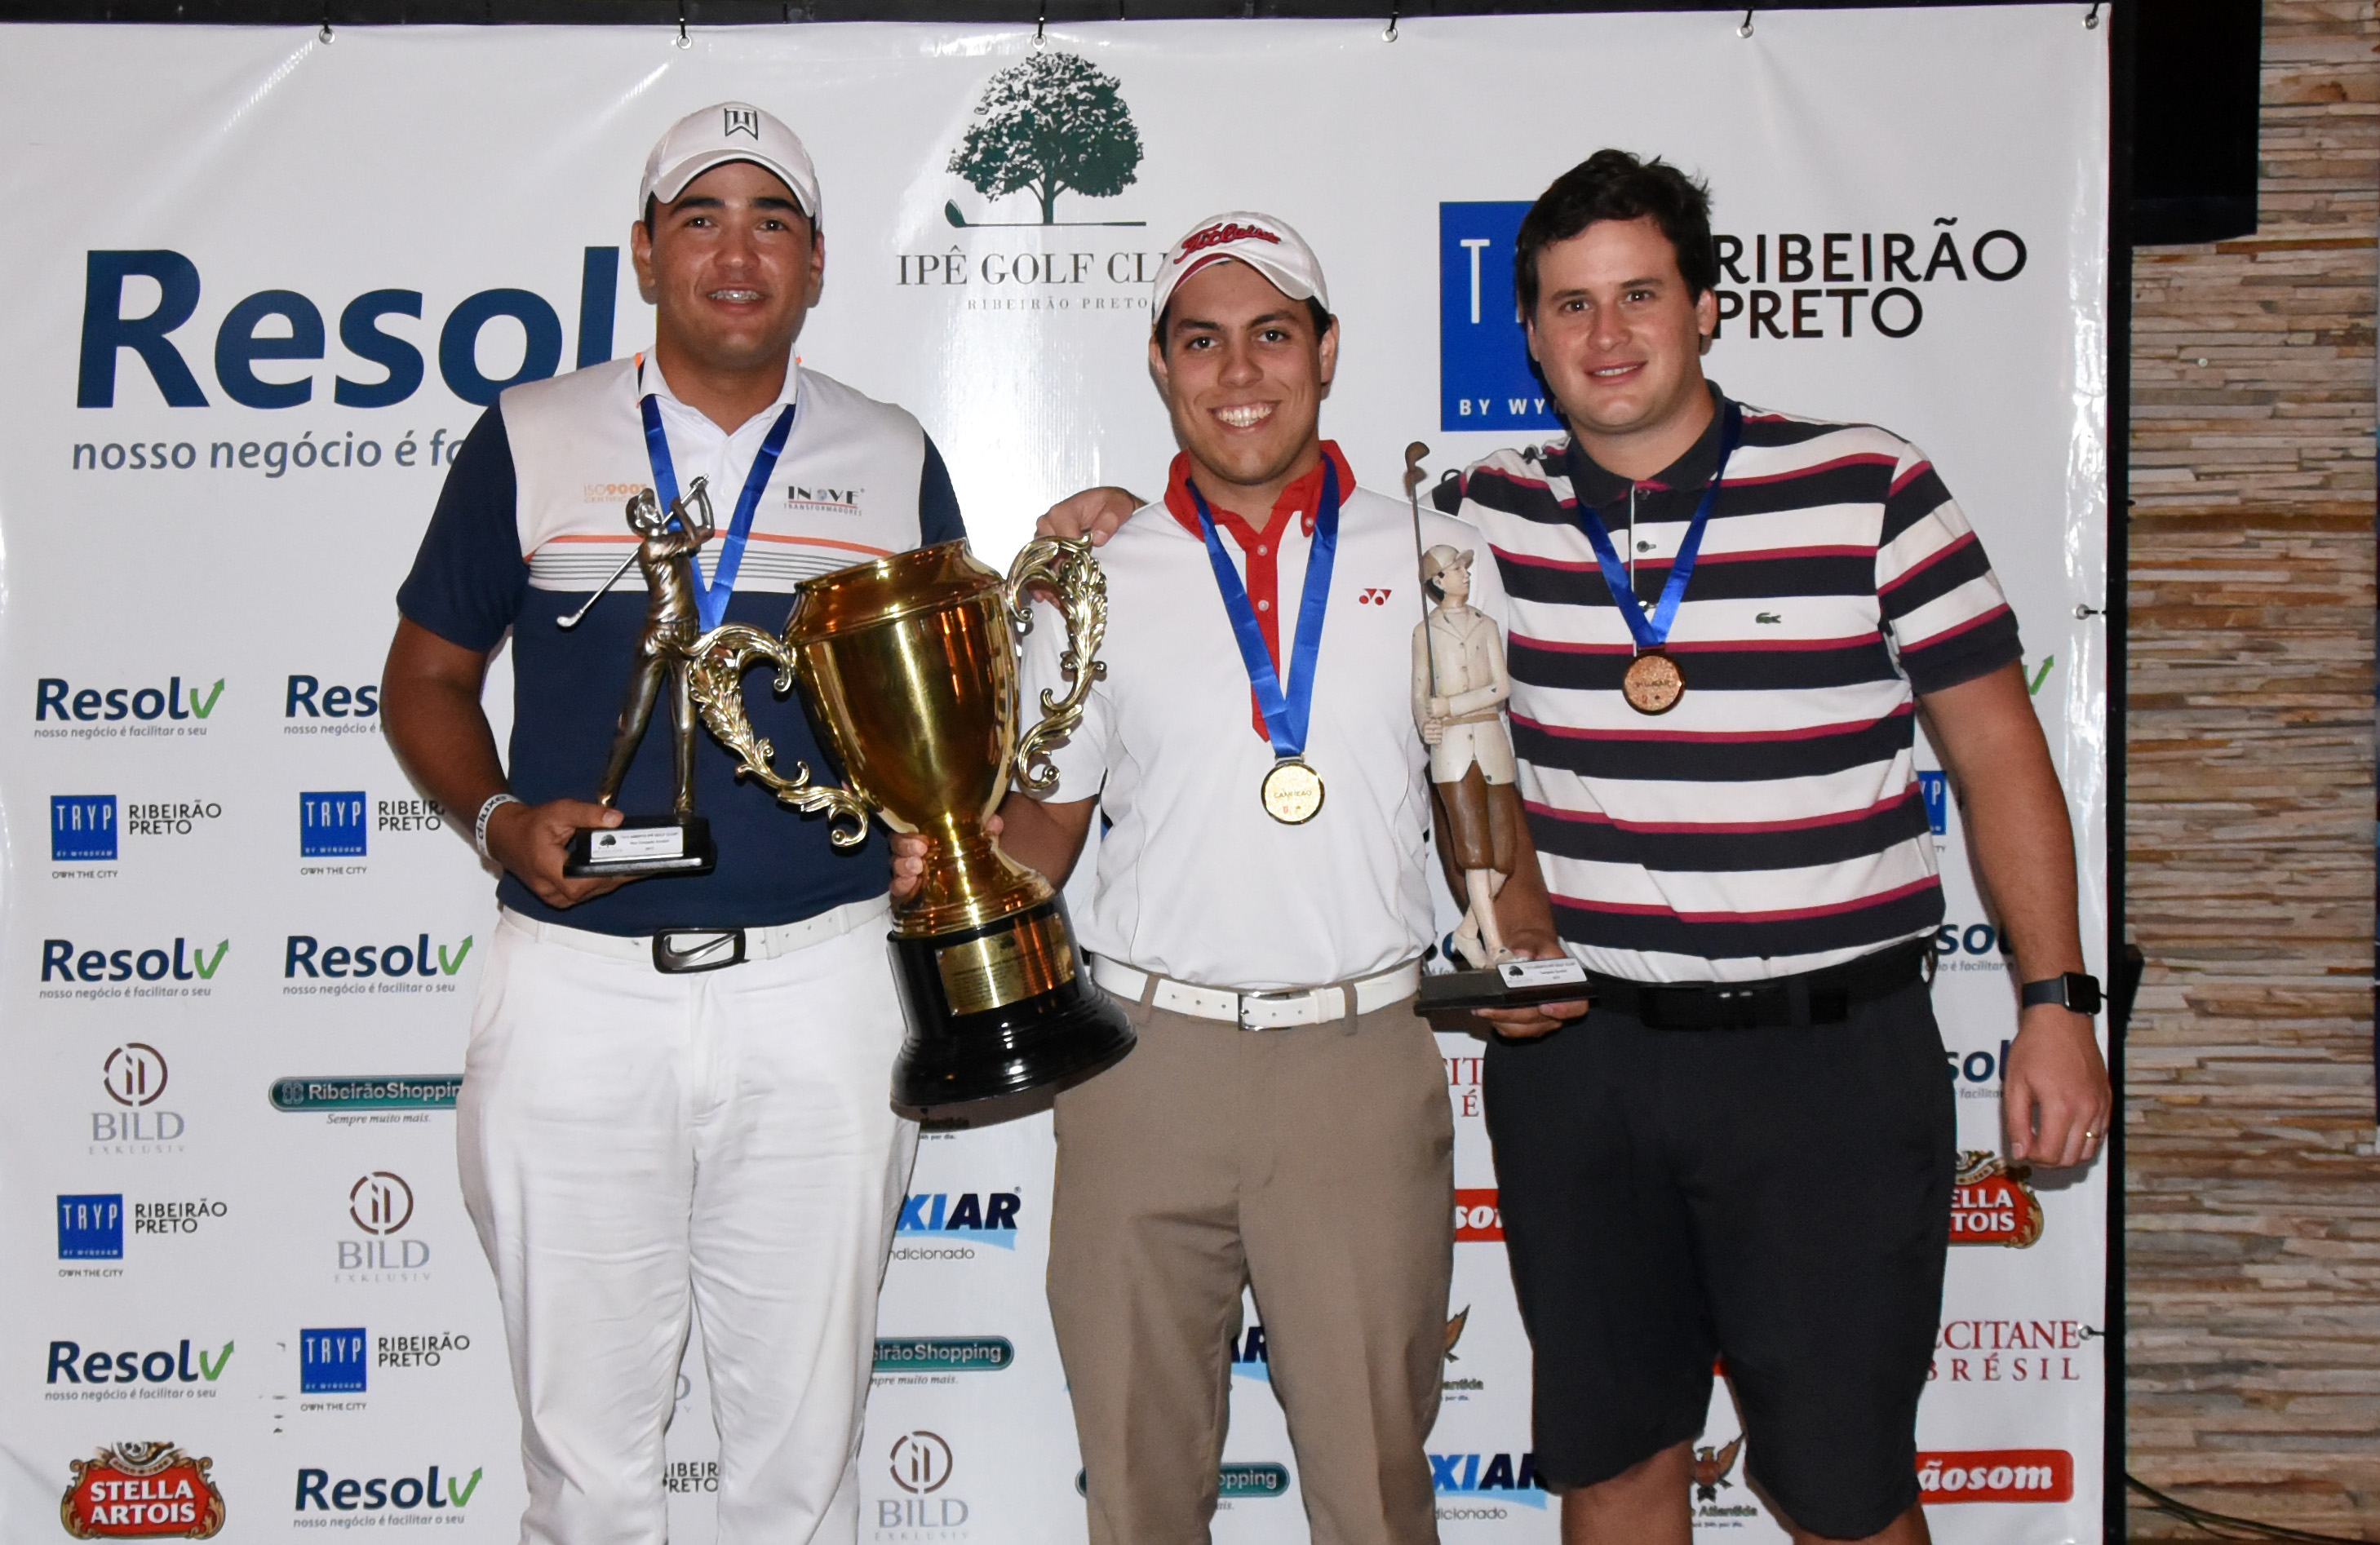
(532, 519)
(1771, 822)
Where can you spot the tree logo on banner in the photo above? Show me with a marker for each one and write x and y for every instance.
(1051, 124)
(1992, 1201)
(142, 1492)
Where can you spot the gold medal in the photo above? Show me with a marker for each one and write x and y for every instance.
(1653, 683)
(1293, 792)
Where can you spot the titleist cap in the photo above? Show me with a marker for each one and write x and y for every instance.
(1266, 244)
(716, 135)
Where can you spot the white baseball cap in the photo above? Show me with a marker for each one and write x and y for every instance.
(724, 132)
(1266, 244)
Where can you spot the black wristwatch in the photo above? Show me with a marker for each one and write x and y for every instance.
(2076, 990)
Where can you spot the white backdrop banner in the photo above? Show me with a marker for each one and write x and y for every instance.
(262, 285)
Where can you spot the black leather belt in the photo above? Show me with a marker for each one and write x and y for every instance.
(1813, 998)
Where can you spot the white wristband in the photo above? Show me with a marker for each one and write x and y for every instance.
(480, 827)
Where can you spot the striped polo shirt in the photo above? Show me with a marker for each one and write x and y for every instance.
(1771, 822)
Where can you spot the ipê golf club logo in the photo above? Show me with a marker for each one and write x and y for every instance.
(1050, 124)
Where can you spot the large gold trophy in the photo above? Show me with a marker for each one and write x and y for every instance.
(909, 674)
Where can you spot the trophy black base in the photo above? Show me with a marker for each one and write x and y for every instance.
(1514, 984)
(1000, 1011)
(642, 845)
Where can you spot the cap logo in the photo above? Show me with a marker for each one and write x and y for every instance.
(741, 120)
(1219, 233)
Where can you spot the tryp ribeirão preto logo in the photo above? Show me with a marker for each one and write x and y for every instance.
(1051, 124)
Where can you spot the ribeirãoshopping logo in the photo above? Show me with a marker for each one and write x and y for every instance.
(1775, 286)
(388, 1092)
(141, 1490)
(951, 1354)
(73, 1366)
(1996, 1475)
(946, 1225)
(1992, 1201)
(1235, 1480)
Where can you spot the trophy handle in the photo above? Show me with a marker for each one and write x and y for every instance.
(716, 682)
(1067, 567)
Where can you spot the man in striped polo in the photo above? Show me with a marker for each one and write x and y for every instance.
(1747, 1145)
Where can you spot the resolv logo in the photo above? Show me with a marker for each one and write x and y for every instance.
(62, 962)
(317, 1490)
(82, 828)
(307, 695)
(333, 1362)
(56, 696)
(332, 826)
(307, 953)
(989, 1218)
(296, 333)
(70, 1362)
(1473, 1474)
(90, 1227)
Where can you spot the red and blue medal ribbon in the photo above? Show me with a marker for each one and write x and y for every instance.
(1654, 632)
(1287, 714)
(711, 600)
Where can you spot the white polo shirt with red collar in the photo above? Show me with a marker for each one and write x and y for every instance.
(1195, 880)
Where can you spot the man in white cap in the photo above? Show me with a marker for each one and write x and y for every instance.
(1261, 909)
(676, 1097)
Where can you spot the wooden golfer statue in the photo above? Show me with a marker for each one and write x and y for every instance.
(1459, 689)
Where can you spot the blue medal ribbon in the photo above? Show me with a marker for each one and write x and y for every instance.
(711, 600)
(1655, 633)
(1286, 714)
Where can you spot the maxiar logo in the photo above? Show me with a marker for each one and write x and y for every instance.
(978, 1217)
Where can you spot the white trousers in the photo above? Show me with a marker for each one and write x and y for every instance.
(637, 1147)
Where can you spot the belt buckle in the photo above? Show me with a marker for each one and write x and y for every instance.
(1248, 998)
(725, 944)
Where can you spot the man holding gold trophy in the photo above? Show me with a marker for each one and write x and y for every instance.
(674, 1099)
(1262, 906)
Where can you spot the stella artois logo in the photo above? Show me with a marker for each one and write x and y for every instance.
(142, 1492)
(1991, 1203)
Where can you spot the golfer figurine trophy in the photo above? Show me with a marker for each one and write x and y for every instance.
(909, 667)
(1460, 687)
(679, 842)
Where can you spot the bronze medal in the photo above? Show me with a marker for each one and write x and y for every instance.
(1653, 683)
(1292, 792)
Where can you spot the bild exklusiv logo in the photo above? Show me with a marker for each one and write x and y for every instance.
(380, 1205)
(922, 1465)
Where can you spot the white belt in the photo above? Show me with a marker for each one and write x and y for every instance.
(1298, 1006)
(757, 944)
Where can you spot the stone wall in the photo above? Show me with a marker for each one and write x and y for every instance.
(2252, 1247)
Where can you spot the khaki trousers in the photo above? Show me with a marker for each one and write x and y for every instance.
(1314, 1165)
